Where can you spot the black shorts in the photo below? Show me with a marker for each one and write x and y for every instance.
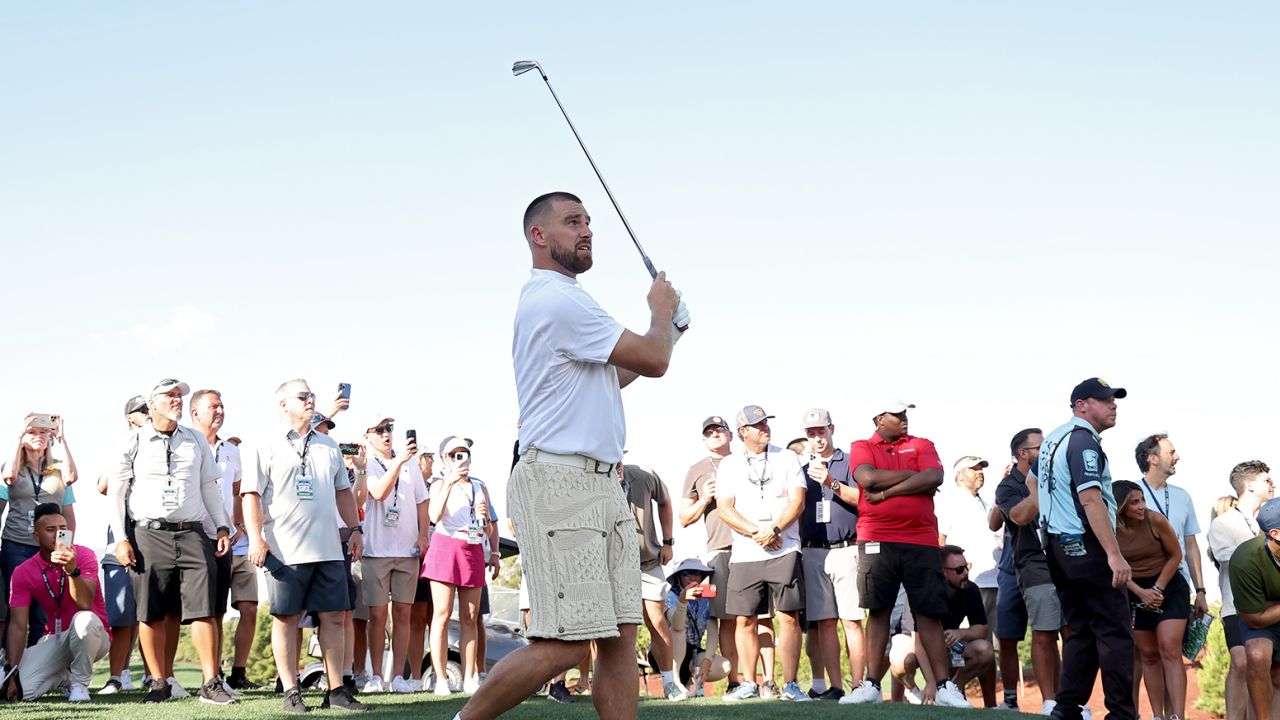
(353, 585)
(423, 593)
(174, 571)
(222, 584)
(1232, 627)
(918, 568)
(484, 601)
(313, 587)
(754, 585)
(1176, 606)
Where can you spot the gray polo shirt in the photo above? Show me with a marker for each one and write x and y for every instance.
(173, 478)
(297, 515)
(30, 488)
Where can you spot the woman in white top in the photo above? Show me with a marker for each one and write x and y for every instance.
(459, 509)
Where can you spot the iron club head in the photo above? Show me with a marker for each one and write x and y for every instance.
(521, 67)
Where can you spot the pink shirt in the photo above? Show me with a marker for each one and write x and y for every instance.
(55, 598)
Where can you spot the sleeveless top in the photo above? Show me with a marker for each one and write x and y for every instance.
(1142, 549)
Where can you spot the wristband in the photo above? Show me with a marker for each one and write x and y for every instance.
(1158, 589)
(668, 541)
(1199, 591)
(357, 528)
(776, 531)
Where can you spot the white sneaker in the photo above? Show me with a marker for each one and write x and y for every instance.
(950, 696)
(674, 692)
(126, 682)
(443, 688)
(864, 693)
(913, 696)
(398, 685)
(361, 680)
(79, 693)
(415, 685)
(1086, 713)
(1047, 708)
(695, 682)
(176, 690)
(375, 685)
(471, 684)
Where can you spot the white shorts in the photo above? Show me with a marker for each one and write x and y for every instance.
(831, 584)
(653, 586)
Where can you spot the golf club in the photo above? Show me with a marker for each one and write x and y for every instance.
(523, 66)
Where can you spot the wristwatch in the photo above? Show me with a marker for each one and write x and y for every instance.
(668, 541)
(357, 528)
(74, 573)
(776, 531)
(224, 529)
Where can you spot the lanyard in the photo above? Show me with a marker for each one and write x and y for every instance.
(395, 494)
(168, 455)
(217, 452)
(764, 477)
(1157, 502)
(37, 479)
(62, 590)
(302, 456)
(1253, 526)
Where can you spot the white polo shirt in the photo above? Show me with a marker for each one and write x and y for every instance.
(569, 397)
(409, 490)
(962, 517)
(760, 486)
(227, 457)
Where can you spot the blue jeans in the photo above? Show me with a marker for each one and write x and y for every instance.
(13, 554)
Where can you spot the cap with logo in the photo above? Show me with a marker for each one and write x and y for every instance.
(752, 414)
(1096, 389)
(454, 442)
(168, 384)
(1269, 515)
(714, 421)
(969, 462)
(893, 407)
(137, 403)
(319, 419)
(816, 417)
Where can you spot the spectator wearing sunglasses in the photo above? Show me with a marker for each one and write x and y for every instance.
(970, 651)
(760, 493)
(33, 476)
(169, 476)
(688, 603)
(456, 561)
(396, 525)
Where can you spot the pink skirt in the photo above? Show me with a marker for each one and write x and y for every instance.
(454, 561)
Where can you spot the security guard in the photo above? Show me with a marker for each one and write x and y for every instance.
(1078, 514)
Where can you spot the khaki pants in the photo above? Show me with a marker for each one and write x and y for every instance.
(67, 657)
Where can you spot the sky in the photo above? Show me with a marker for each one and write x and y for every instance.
(971, 207)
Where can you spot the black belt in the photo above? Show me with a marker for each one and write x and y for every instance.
(829, 546)
(170, 526)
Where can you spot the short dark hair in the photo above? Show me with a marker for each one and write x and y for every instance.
(949, 550)
(1021, 437)
(1146, 448)
(542, 203)
(1244, 472)
(44, 510)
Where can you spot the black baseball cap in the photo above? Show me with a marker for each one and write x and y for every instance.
(1096, 389)
(714, 421)
(137, 403)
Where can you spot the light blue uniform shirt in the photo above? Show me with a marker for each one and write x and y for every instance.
(1079, 465)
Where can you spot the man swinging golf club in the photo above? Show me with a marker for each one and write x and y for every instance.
(577, 536)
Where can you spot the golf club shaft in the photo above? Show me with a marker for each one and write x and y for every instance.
(653, 272)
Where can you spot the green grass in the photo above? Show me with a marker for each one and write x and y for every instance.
(263, 704)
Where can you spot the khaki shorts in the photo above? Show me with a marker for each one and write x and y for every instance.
(578, 550)
(653, 586)
(831, 584)
(394, 576)
(1044, 610)
(718, 561)
(244, 580)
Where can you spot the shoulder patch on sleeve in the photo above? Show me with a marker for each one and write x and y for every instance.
(1091, 464)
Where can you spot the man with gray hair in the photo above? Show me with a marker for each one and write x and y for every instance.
(295, 481)
(169, 476)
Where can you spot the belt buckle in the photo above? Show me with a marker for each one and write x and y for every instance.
(607, 467)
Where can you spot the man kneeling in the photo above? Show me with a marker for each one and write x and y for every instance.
(971, 653)
(62, 579)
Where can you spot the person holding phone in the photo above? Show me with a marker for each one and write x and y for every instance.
(62, 580)
(688, 608)
(460, 510)
(33, 476)
(395, 521)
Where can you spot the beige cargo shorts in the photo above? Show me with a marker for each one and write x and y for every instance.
(578, 550)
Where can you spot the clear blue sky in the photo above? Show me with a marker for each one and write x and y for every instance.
(972, 206)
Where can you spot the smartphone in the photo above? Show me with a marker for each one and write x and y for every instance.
(708, 590)
(410, 435)
(349, 448)
(64, 538)
(44, 420)
(344, 391)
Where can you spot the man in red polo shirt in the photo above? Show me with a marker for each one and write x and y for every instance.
(898, 543)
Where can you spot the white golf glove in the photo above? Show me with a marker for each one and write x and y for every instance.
(678, 320)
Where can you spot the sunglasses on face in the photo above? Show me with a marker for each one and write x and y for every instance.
(381, 430)
(690, 573)
(305, 396)
(960, 569)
